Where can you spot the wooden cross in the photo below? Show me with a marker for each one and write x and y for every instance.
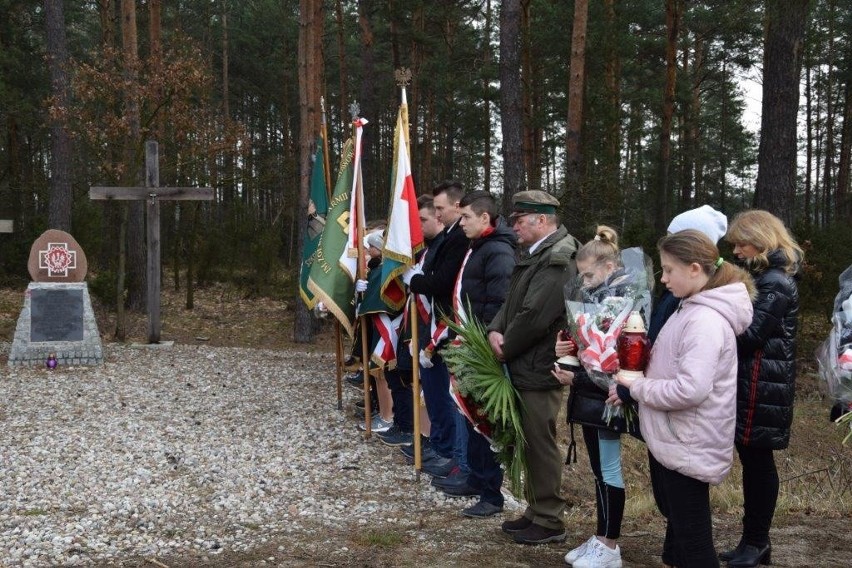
(152, 193)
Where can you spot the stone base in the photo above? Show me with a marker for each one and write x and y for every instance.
(87, 351)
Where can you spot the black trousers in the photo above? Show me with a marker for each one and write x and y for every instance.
(485, 475)
(760, 493)
(685, 503)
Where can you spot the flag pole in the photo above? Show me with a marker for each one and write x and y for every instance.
(403, 78)
(355, 111)
(338, 338)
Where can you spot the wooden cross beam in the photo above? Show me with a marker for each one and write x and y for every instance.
(152, 193)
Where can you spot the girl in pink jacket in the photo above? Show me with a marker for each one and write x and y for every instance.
(687, 399)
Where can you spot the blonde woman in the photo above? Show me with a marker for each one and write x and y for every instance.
(766, 379)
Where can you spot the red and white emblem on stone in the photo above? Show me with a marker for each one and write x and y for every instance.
(57, 259)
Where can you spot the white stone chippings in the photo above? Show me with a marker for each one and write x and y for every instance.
(188, 451)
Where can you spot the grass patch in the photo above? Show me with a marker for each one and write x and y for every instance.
(378, 538)
(34, 512)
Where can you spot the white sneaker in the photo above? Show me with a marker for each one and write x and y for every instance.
(576, 553)
(599, 555)
(378, 424)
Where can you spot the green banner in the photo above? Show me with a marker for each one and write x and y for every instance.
(327, 281)
(317, 211)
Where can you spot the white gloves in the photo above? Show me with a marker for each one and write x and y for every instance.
(360, 285)
(425, 360)
(411, 273)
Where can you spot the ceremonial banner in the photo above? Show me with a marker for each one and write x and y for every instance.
(356, 223)
(404, 238)
(317, 211)
(329, 282)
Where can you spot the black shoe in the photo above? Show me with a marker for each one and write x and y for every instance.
(517, 525)
(396, 437)
(751, 556)
(425, 448)
(461, 491)
(439, 467)
(359, 413)
(455, 477)
(481, 510)
(537, 534)
(355, 380)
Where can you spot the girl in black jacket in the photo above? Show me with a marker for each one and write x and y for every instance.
(599, 268)
(766, 375)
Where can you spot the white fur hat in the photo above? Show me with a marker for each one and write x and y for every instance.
(712, 223)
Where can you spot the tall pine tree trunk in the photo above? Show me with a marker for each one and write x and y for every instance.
(662, 201)
(841, 195)
(310, 89)
(486, 106)
(136, 242)
(59, 205)
(511, 110)
(576, 80)
(775, 189)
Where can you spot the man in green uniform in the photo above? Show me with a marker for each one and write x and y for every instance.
(523, 334)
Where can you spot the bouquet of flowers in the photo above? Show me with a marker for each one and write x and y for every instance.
(597, 318)
(481, 388)
(834, 356)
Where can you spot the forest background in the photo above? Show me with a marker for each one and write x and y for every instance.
(628, 110)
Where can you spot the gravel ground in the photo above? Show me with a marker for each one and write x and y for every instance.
(189, 452)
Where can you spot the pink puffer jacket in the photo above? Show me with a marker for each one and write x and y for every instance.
(687, 402)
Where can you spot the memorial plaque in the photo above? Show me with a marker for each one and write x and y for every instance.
(56, 315)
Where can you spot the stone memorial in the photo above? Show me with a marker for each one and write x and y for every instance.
(57, 317)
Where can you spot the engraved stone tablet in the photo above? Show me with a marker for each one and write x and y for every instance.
(56, 315)
(58, 319)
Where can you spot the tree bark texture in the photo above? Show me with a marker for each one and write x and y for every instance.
(59, 205)
(310, 90)
(662, 201)
(136, 259)
(775, 189)
(576, 81)
(511, 110)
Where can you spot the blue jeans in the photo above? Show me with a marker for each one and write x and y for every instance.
(460, 444)
(399, 382)
(435, 383)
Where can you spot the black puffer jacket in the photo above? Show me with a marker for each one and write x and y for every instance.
(766, 377)
(486, 276)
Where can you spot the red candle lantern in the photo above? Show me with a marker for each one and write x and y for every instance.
(633, 346)
(569, 362)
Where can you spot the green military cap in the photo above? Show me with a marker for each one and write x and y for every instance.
(534, 201)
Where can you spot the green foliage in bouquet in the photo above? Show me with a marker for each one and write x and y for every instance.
(846, 419)
(480, 377)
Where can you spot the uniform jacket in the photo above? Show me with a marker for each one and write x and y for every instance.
(534, 310)
(687, 400)
(486, 275)
(766, 380)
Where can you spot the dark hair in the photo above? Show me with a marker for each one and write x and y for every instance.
(692, 246)
(481, 202)
(426, 202)
(452, 187)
